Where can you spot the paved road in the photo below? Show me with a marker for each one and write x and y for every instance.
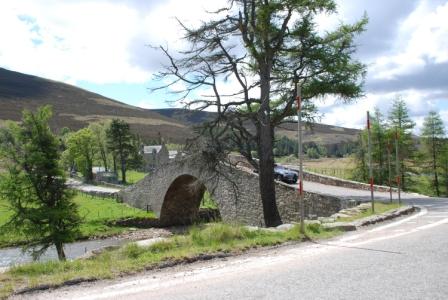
(403, 259)
(84, 187)
(344, 192)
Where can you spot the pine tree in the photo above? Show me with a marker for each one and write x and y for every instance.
(433, 133)
(119, 141)
(361, 171)
(444, 165)
(266, 47)
(399, 120)
(35, 187)
(379, 141)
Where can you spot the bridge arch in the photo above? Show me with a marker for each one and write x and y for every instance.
(182, 200)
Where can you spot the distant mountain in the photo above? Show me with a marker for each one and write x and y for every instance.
(76, 108)
(319, 133)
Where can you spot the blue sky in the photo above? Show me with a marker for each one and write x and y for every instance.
(102, 46)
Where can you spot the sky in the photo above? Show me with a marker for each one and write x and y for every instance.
(104, 46)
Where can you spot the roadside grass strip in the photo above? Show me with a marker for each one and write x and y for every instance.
(97, 215)
(207, 240)
(380, 208)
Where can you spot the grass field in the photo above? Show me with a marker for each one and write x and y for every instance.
(95, 212)
(336, 167)
(199, 240)
(133, 176)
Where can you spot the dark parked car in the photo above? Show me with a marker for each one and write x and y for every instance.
(285, 175)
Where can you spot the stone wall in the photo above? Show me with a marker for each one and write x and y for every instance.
(329, 180)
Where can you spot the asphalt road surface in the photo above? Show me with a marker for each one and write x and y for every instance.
(403, 259)
(342, 192)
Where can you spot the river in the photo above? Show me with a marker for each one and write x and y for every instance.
(14, 256)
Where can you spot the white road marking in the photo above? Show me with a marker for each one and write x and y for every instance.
(431, 225)
(424, 227)
(423, 211)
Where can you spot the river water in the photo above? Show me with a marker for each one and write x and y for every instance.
(14, 256)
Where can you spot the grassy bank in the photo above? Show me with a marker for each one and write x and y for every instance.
(380, 208)
(200, 240)
(132, 176)
(96, 214)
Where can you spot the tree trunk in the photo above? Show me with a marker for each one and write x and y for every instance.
(265, 151)
(114, 158)
(89, 173)
(434, 166)
(60, 251)
(403, 179)
(104, 159)
(123, 170)
(266, 178)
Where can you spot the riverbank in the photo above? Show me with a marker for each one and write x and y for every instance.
(200, 242)
(98, 214)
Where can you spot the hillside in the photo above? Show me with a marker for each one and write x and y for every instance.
(320, 133)
(75, 108)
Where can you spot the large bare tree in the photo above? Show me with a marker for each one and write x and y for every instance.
(264, 47)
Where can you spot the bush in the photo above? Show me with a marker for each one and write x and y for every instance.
(133, 251)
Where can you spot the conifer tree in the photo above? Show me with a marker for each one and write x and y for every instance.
(267, 47)
(444, 165)
(433, 133)
(400, 122)
(119, 141)
(34, 186)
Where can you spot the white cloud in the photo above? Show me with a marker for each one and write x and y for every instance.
(70, 41)
(95, 41)
(422, 37)
(102, 41)
(354, 115)
(166, 29)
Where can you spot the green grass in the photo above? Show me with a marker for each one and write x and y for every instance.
(205, 239)
(132, 176)
(424, 184)
(98, 212)
(95, 212)
(380, 208)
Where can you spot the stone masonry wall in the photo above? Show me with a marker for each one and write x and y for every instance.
(329, 180)
(237, 196)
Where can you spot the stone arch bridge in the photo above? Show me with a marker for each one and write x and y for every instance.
(174, 192)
